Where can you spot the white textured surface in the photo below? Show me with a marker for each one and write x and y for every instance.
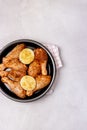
(61, 22)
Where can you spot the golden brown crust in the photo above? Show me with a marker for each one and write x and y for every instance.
(14, 53)
(16, 65)
(41, 82)
(16, 75)
(15, 87)
(34, 68)
(40, 54)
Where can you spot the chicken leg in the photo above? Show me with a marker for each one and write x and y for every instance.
(16, 65)
(42, 57)
(15, 87)
(41, 82)
(14, 53)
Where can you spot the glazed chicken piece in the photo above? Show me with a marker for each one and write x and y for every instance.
(42, 57)
(13, 74)
(43, 67)
(41, 82)
(14, 53)
(15, 87)
(16, 75)
(40, 54)
(34, 68)
(16, 65)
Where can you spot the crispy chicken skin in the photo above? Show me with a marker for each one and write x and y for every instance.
(13, 74)
(16, 75)
(11, 57)
(13, 64)
(41, 82)
(42, 57)
(14, 53)
(43, 67)
(38, 66)
(15, 87)
(40, 54)
(16, 65)
(34, 68)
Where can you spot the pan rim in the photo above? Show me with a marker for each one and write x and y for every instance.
(54, 68)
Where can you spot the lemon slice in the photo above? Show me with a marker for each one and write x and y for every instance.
(26, 56)
(28, 82)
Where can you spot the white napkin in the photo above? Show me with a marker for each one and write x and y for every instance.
(54, 49)
(55, 52)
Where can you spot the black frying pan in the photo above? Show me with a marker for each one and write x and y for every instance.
(51, 68)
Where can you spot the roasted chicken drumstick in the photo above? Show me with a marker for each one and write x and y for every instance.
(16, 65)
(15, 87)
(39, 64)
(13, 74)
(14, 53)
(41, 82)
(42, 57)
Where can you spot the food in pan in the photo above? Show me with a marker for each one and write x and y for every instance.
(15, 87)
(42, 57)
(13, 74)
(34, 68)
(24, 70)
(41, 82)
(14, 53)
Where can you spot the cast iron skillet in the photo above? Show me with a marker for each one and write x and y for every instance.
(51, 68)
